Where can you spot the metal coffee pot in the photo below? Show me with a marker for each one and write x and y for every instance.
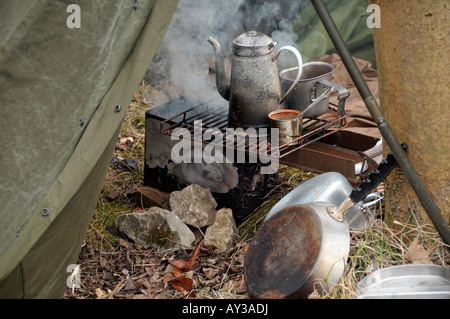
(254, 89)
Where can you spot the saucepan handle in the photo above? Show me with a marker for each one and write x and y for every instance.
(343, 92)
(299, 70)
(342, 97)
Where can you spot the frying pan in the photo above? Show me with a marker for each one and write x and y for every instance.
(330, 187)
(333, 188)
(304, 246)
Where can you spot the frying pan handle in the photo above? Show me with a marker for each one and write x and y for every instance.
(372, 199)
(376, 177)
(367, 186)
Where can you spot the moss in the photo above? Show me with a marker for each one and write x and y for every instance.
(160, 236)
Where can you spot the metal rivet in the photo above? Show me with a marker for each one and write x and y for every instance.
(45, 212)
(117, 108)
(82, 121)
(19, 232)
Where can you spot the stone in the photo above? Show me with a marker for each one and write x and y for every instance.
(195, 205)
(155, 228)
(222, 232)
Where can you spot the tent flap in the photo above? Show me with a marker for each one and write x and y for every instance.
(58, 90)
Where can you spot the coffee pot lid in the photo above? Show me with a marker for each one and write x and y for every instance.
(253, 43)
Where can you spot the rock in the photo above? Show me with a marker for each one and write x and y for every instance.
(220, 235)
(195, 205)
(155, 228)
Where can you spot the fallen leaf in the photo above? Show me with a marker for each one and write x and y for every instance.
(100, 294)
(187, 265)
(127, 140)
(113, 195)
(168, 278)
(137, 97)
(130, 285)
(177, 272)
(210, 272)
(182, 284)
(167, 269)
(183, 271)
(123, 243)
(416, 254)
(179, 263)
(194, 257)
(148, 269)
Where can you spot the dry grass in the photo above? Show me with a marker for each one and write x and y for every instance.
(380, 246)
(114, 268)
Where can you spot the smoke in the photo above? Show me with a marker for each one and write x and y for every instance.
(184, 57)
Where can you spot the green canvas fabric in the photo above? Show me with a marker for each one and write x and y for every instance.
(313, 39)
(59, 88)
(44, 270)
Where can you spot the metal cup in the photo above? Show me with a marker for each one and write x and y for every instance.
(308, 88)
(290, 125)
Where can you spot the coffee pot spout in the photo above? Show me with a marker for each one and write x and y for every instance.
(222, 82)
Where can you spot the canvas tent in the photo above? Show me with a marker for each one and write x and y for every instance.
(64, 90)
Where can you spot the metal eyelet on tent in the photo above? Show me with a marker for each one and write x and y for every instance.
(45, 212)
(18, 232)
(82, 121)
(117, 108)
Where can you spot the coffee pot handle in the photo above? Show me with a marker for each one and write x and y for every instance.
(299, 72)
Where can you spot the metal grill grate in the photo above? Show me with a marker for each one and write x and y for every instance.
(216, 122)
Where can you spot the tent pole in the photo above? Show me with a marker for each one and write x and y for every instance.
(386, 131)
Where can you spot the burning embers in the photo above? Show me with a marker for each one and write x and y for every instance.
(232, 146)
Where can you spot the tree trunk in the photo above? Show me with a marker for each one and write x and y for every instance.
(413, 49)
